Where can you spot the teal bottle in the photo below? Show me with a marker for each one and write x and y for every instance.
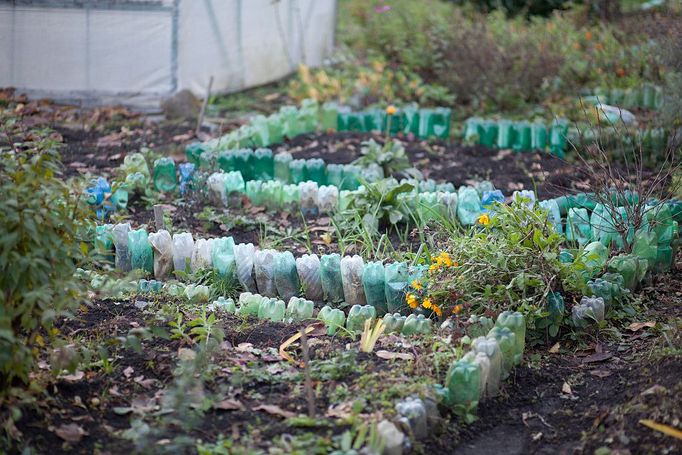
(222, 257)
(393, 322)
(299, 309)
(260, 131)
(104, 243)
(351, 177)
(316, 171)
(538, 136)
(140, 251)
(507, 342)
(463, 385)
(416, 324)
(396, 276)
(515, 322)
(373, 120)
(343, 119)
(472, 131)
(393, 124)
(263, 167)
(249, 304)
(505, 134)
(193, 152)
(335, 175)
(435, 122)
(297, 171)
(522, 137)
(226, 161)
(330, 276)
(356, 122)
(254, 191)
(410, 120)
(243, 162)
(557, 138)
(272, 310)
(281, 166)
(164, 175)
(275, 129)
(487, 133)
(578, 227)
(374, 284)
(287, 282)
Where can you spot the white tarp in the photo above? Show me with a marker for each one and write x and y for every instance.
(137, 51)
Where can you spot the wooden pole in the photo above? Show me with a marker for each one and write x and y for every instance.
(200, 120)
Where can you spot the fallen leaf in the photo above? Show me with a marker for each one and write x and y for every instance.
(653, 390)
(274, 410)
(128, 372)
(229, 404)
(388, 355)
(600, 373)
(635, 326)
(554, 349)
(75, 377)
(598, 357)
(70, 432)
(566, 388)
(663, 428)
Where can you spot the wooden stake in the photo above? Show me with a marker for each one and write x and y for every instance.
(306, 371)
(200, 120)
(158, 216)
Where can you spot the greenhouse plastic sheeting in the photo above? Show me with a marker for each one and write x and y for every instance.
(138, 52)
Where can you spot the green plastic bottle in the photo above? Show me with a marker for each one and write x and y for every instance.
(222, 256)
(272, 309)
(463, 384)
(507, 342)
(373, 120)
(329, 116)
(263, 164)
(355, 121)
(249, 304)
(578, 227)
(275, 129)
(164, 175)
(260, 131)
(538, 136)
(396, 276)
(226, 161)
(645, 247)
(335, 175)
(254, 191)
(522, 137)
(315, 170)
(281, 164)
(333, 318)
(410, 120)
(104, 243)
(243, 162)
(330, 276)
(357, 316)
(630, 267)
(416, 324)
(478, 326)
(297, 171)
(435, 122)
(286, 275)
(472, 131)
(193, 152)
(299, 309)
(290, 196)
(351, 177)
(393, 322)
(393, 124)
(140, 251)
(505, 134)
(515, 322)
(487, 133)
(557, 138)
(374, 283)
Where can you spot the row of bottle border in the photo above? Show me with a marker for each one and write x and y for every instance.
(646, 96)
(496, 347)
(292, 121)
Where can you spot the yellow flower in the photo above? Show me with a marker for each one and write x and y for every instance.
(411, 300)
(457, 309)
(391, 110)
(484, 219)
(427, 303)
(417, 285)
(445, 259)
(433, 268)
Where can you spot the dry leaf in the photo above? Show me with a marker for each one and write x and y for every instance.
(229, 404)
(75, 377)
(598, 357)
(663, 428)
(554, 349)
(128, 372)
(566, 389)
(70, 432)
(600, 373)
(388, 355)
(274, 410)
(635, 326)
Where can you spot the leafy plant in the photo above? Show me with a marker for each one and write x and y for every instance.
(40, 247)
(391, 157)
(370, 335)
(365, 437)
(379, 203)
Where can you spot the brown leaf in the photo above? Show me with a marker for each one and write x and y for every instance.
(635, 326)
(70, 432)
(128, 372)
(597, 357)
(554, 349)
(274, 410)
(600, 373)
(229, 404)
(75, 377)
(388, 355)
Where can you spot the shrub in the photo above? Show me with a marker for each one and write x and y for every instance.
(39, 251)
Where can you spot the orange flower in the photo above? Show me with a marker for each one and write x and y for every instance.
(427, 303)
(437, 310)
(588, 35)
(411, 300)
(620, 72)
(391, 110)
(457, 309)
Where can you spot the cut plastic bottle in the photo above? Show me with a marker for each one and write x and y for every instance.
(162, 245)
(351, 276)
(330, 276)
(286, 276)
(141, 256)
(264, 266)
(244, 254)
(183, 247)
(308, 268)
